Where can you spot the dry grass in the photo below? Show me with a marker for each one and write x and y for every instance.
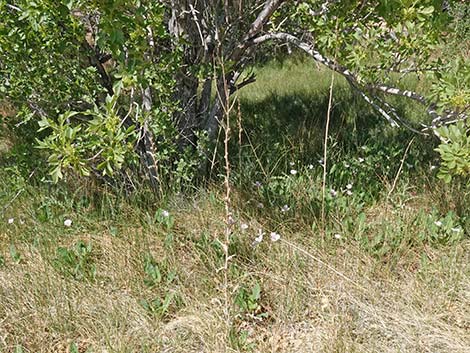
(414, 306)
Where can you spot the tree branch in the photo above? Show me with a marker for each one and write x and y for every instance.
(431, 107)
(250, 79)
(269, 7)
(324, 8)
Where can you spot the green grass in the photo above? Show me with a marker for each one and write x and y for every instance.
(388, 272)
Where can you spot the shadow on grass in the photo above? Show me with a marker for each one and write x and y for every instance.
(290, 127)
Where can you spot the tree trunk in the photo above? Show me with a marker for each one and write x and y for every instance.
(187, 118)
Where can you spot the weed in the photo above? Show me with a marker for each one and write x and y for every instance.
(14, 254)
(76, 262)
(248, 301)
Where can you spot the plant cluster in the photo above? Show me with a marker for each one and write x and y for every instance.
(128, 89)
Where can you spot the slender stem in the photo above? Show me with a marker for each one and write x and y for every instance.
(400, 169)
(224, 98)
(325, 152)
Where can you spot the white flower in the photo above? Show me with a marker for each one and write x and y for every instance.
(260, 205)
(438, 223)
(456, 230)
(333, 192)
(337, 236)
(364, 147)
(291, 164)
(293, 171)
(320, 161)
(349, 192)
(11, 220)
(360, 159)
(258, 184)
(346, 165)
(349, 186)
(310, 166)
(275, 236)
(243, 226)
(165, 213)
(68, 222)
(259, 238)
(21, 221)
(285, 208)
(432, 167)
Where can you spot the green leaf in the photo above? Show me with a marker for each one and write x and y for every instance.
(256, 292)
(427, 10)
(56, 174)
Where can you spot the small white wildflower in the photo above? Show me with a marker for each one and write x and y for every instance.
(349, 192)
(260, 205)
(243, 226)
(360, 159)
(165, 213)
(259, 238)
(349, 186)
(320, 161)
(230, 220)
(432, 167)
(333, 192)
(364, 147)
(285, 208)
(310, 166)
(456, 230)
(11, 220)
(346, 165)
(21, 221)
(292, 164)
(257, 184)
(68, 222)
(293, 171)
(337, 236)
(275, 236)
(438, 223)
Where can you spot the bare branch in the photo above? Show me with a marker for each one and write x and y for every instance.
(374, 105)
(389, 113)
(324, 8)
(398, 92)
(449, 116)
(269, 8)
(13, 7)
(250, 79)
(308, 49)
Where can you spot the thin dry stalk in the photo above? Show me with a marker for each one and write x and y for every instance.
(227, 107)
(325, 153)
(240, 131)
(400, 169)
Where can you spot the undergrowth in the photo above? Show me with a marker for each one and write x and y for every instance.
(88, 268)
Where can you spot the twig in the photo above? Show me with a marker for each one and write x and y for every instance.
(400, 169)
(325, 151)
(325, 147)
